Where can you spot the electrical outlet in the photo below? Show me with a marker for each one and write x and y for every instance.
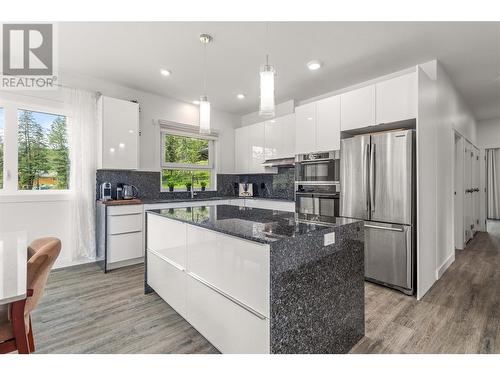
(329, 239)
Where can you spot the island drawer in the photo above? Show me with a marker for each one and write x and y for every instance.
(168, 238)
(124, 223)
(238, 267)
(228, 326)
(168, 280)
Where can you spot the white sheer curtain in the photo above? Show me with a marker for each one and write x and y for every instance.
(493, 189)
(83, 146)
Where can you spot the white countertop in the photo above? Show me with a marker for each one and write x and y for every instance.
(13, 265)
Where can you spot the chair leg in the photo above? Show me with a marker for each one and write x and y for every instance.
(31, 342)
(18, 326)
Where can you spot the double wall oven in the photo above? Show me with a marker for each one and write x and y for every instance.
(317, 186)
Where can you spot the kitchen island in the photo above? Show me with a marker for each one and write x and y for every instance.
(259, 281)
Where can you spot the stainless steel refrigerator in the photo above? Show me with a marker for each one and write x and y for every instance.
(378, 186)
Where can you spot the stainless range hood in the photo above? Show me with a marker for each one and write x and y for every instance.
(281, 162)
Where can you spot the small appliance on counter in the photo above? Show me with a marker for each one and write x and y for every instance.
(119, 191)
(105, 191)
(245, 189)
(129, 191)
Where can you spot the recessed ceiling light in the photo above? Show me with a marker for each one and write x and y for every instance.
(314, 65)
(196, 102)
(309, 118)
(165, 72)
(240, 96)
(272, 121)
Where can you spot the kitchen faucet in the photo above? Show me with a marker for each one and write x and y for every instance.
(193, 194)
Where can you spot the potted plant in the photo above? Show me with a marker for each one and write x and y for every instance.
(188, 186)
(203, 185)
(170, 186)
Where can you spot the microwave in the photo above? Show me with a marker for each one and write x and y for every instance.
(318, 167)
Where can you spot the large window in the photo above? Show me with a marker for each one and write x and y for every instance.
(186, 160)
(43, 154)
(42, 149)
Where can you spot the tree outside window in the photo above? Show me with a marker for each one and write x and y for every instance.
(43, 152)
(186, 159)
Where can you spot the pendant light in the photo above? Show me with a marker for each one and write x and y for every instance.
(267, 73)
(204, 103)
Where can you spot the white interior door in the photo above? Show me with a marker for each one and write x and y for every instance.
(476, 194)
(468, 206)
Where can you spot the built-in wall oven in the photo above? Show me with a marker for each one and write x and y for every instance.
(318, 167)
(317, 186)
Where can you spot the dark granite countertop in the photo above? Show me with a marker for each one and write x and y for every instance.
(255, 224)
(201, 199)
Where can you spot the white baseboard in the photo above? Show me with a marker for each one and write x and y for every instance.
(442, 269)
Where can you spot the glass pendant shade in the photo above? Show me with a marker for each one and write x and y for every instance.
(204, 115)
(267, 107)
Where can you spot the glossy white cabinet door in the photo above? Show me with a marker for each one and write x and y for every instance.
(167, 238)
(273, 130)
(124, 223)
(287, 136)
(229, 327)
(328, 124)
(256, 147)
(124, 246)
(168, 281)
(305, 128)
(357, 108)
(119, 148)
(397, 99)
(238, 267)
(241, 150)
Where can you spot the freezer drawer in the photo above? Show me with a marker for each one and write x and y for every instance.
(388, 254)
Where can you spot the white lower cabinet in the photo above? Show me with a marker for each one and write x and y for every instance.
(218, 283)
(237, 267)
(229, 327)
(268, 204)
(168, 280)
(124, 246)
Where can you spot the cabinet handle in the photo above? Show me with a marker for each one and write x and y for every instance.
(173, 264)
(229, 297)
(384, 228)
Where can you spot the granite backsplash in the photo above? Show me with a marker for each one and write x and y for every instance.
(277, 186)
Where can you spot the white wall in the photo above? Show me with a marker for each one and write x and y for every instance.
(441, 111)
(50, 215)
(453, 114)
(488, 136)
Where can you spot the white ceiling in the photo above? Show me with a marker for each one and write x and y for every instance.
(132, 54)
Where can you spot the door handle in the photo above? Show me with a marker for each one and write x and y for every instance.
(372, 177)
(384, 228)
(366, 176)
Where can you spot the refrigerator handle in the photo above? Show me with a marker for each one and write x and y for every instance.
(372, 177)
(366, 176)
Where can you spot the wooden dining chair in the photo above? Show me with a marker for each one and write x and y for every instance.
(15, 320)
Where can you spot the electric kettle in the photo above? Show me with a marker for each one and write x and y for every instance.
(130, 192)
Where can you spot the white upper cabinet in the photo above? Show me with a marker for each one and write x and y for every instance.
(328, 124)
(256, 143)
(280, 137)
(118, 134)
(397, 99)
(357, 108)
(241, 150)
(305, 128)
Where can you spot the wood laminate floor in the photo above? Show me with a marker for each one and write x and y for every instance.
(460, 314)
(86, 311)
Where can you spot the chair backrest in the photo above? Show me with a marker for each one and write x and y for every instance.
(42, 253)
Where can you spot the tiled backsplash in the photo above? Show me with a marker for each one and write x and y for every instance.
(278, 186)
